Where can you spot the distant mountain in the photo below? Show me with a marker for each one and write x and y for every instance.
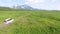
(5, 8)
(26, 7)
(19, 7)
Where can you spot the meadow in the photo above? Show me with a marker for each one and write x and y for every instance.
(31, 22)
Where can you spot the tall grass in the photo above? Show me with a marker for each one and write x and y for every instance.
(31, 22)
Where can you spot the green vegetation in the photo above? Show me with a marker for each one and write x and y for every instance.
(31, 22)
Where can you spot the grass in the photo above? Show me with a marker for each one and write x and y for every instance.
(31, 22)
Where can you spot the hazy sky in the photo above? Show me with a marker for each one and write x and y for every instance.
(41, 4)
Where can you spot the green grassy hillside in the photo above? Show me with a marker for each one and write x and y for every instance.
(31, 22)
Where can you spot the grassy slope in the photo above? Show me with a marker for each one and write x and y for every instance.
(31, 22)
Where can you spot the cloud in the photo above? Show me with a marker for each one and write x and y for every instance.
(44, 4)
(53, 1)
(38, 1)
(7, 1)
(35, 1)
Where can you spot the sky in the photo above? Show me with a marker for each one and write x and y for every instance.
(40, 4)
